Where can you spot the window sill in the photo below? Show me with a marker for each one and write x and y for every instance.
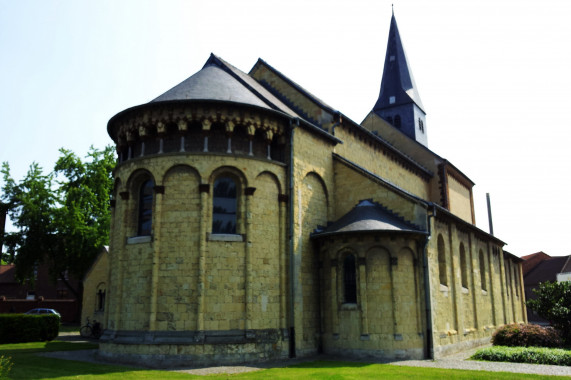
(139, 239)
(443, 288)
(484, 292)
(465, 290)
(225, 237)
(349, 306)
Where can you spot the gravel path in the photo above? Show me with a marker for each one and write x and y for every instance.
(456, 361)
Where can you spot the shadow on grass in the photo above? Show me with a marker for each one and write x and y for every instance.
(35, 347)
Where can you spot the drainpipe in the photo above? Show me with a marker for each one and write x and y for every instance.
(293, 124)
(429, 353)
(337, 123)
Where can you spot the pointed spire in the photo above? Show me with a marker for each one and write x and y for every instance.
(399, 98)
(398, 81)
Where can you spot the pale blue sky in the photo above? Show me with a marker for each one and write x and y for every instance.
(493, 77)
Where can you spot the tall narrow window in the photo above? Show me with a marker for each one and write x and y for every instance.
(145, 221)
(397, 121)
(442, 261)
(224, 206)
(482, 270)
(463, 266)
(350, 279)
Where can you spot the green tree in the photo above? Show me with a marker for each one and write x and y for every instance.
(553, 302)
(62, 217)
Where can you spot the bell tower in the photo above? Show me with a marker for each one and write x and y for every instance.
(399, 102)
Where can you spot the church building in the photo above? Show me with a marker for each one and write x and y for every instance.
(251, 221)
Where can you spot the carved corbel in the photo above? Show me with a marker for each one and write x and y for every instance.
(206, 124)
(182, 126)
(161, 128)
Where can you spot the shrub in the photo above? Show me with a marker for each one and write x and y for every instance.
(5, 366)
(553, 302)
(526, 336)
(20, 328)
(531, 355)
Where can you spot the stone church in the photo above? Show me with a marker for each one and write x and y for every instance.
(252, 221)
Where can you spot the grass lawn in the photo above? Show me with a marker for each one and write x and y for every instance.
(27, 365)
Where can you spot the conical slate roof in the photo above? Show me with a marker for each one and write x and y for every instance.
(368, 216)
(211, 83)
(218, 80)
(397, 81)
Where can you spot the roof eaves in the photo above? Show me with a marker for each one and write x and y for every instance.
(457, 219)
(389, 146)
(304, 92)
(379, 179)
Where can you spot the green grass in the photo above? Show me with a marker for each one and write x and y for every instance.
(28, 365)
(532, 355)
(69, 328)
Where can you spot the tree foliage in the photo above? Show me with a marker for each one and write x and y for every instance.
(553, 302)
(62, 217)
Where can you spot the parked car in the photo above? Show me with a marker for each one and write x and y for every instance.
(43, 311)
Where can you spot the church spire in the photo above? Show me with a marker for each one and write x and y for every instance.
(399, 102)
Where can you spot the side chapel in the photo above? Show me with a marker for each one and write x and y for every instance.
(252, 221)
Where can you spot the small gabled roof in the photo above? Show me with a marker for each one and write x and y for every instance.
(398, 80)
(368, 216)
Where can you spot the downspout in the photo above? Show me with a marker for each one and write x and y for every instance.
(429, 353)
(337, 123)
(293, 124)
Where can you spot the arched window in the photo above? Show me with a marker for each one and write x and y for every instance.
(442, 261)
(145, 220)
(482, 270)
(463, 266)
(100, 298)
(224, 206)
(397, 121)
(516, 281)
(350, 279)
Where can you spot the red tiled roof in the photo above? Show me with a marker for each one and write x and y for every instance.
(7, 274)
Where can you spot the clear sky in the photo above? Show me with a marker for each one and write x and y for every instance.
(493, 76)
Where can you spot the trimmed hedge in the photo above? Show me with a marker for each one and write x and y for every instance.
(526, 335)
(20, 328)
(531, 355)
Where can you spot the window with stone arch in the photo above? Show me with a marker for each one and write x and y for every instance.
(463, 266)
(442, 261)
(224, 205)
(482, 271)
(145, 208)
(350, 279)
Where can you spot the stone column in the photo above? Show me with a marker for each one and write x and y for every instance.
(249, 191)
(206, 124)
(362, 262)
(283, 199)
(334, 299)
(182, 129)
(157, 217)
(204, 190)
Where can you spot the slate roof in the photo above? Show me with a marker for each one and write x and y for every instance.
(218, 80)
(397, 76)
(368, 216)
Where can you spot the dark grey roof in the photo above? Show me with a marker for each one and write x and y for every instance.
(368, 216)
(218, 80)
(546, 270)
(211, 83)
(397, 75)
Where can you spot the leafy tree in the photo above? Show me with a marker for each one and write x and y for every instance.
(553, 302)
(62, 217)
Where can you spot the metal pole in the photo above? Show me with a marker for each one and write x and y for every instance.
(490, 214)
